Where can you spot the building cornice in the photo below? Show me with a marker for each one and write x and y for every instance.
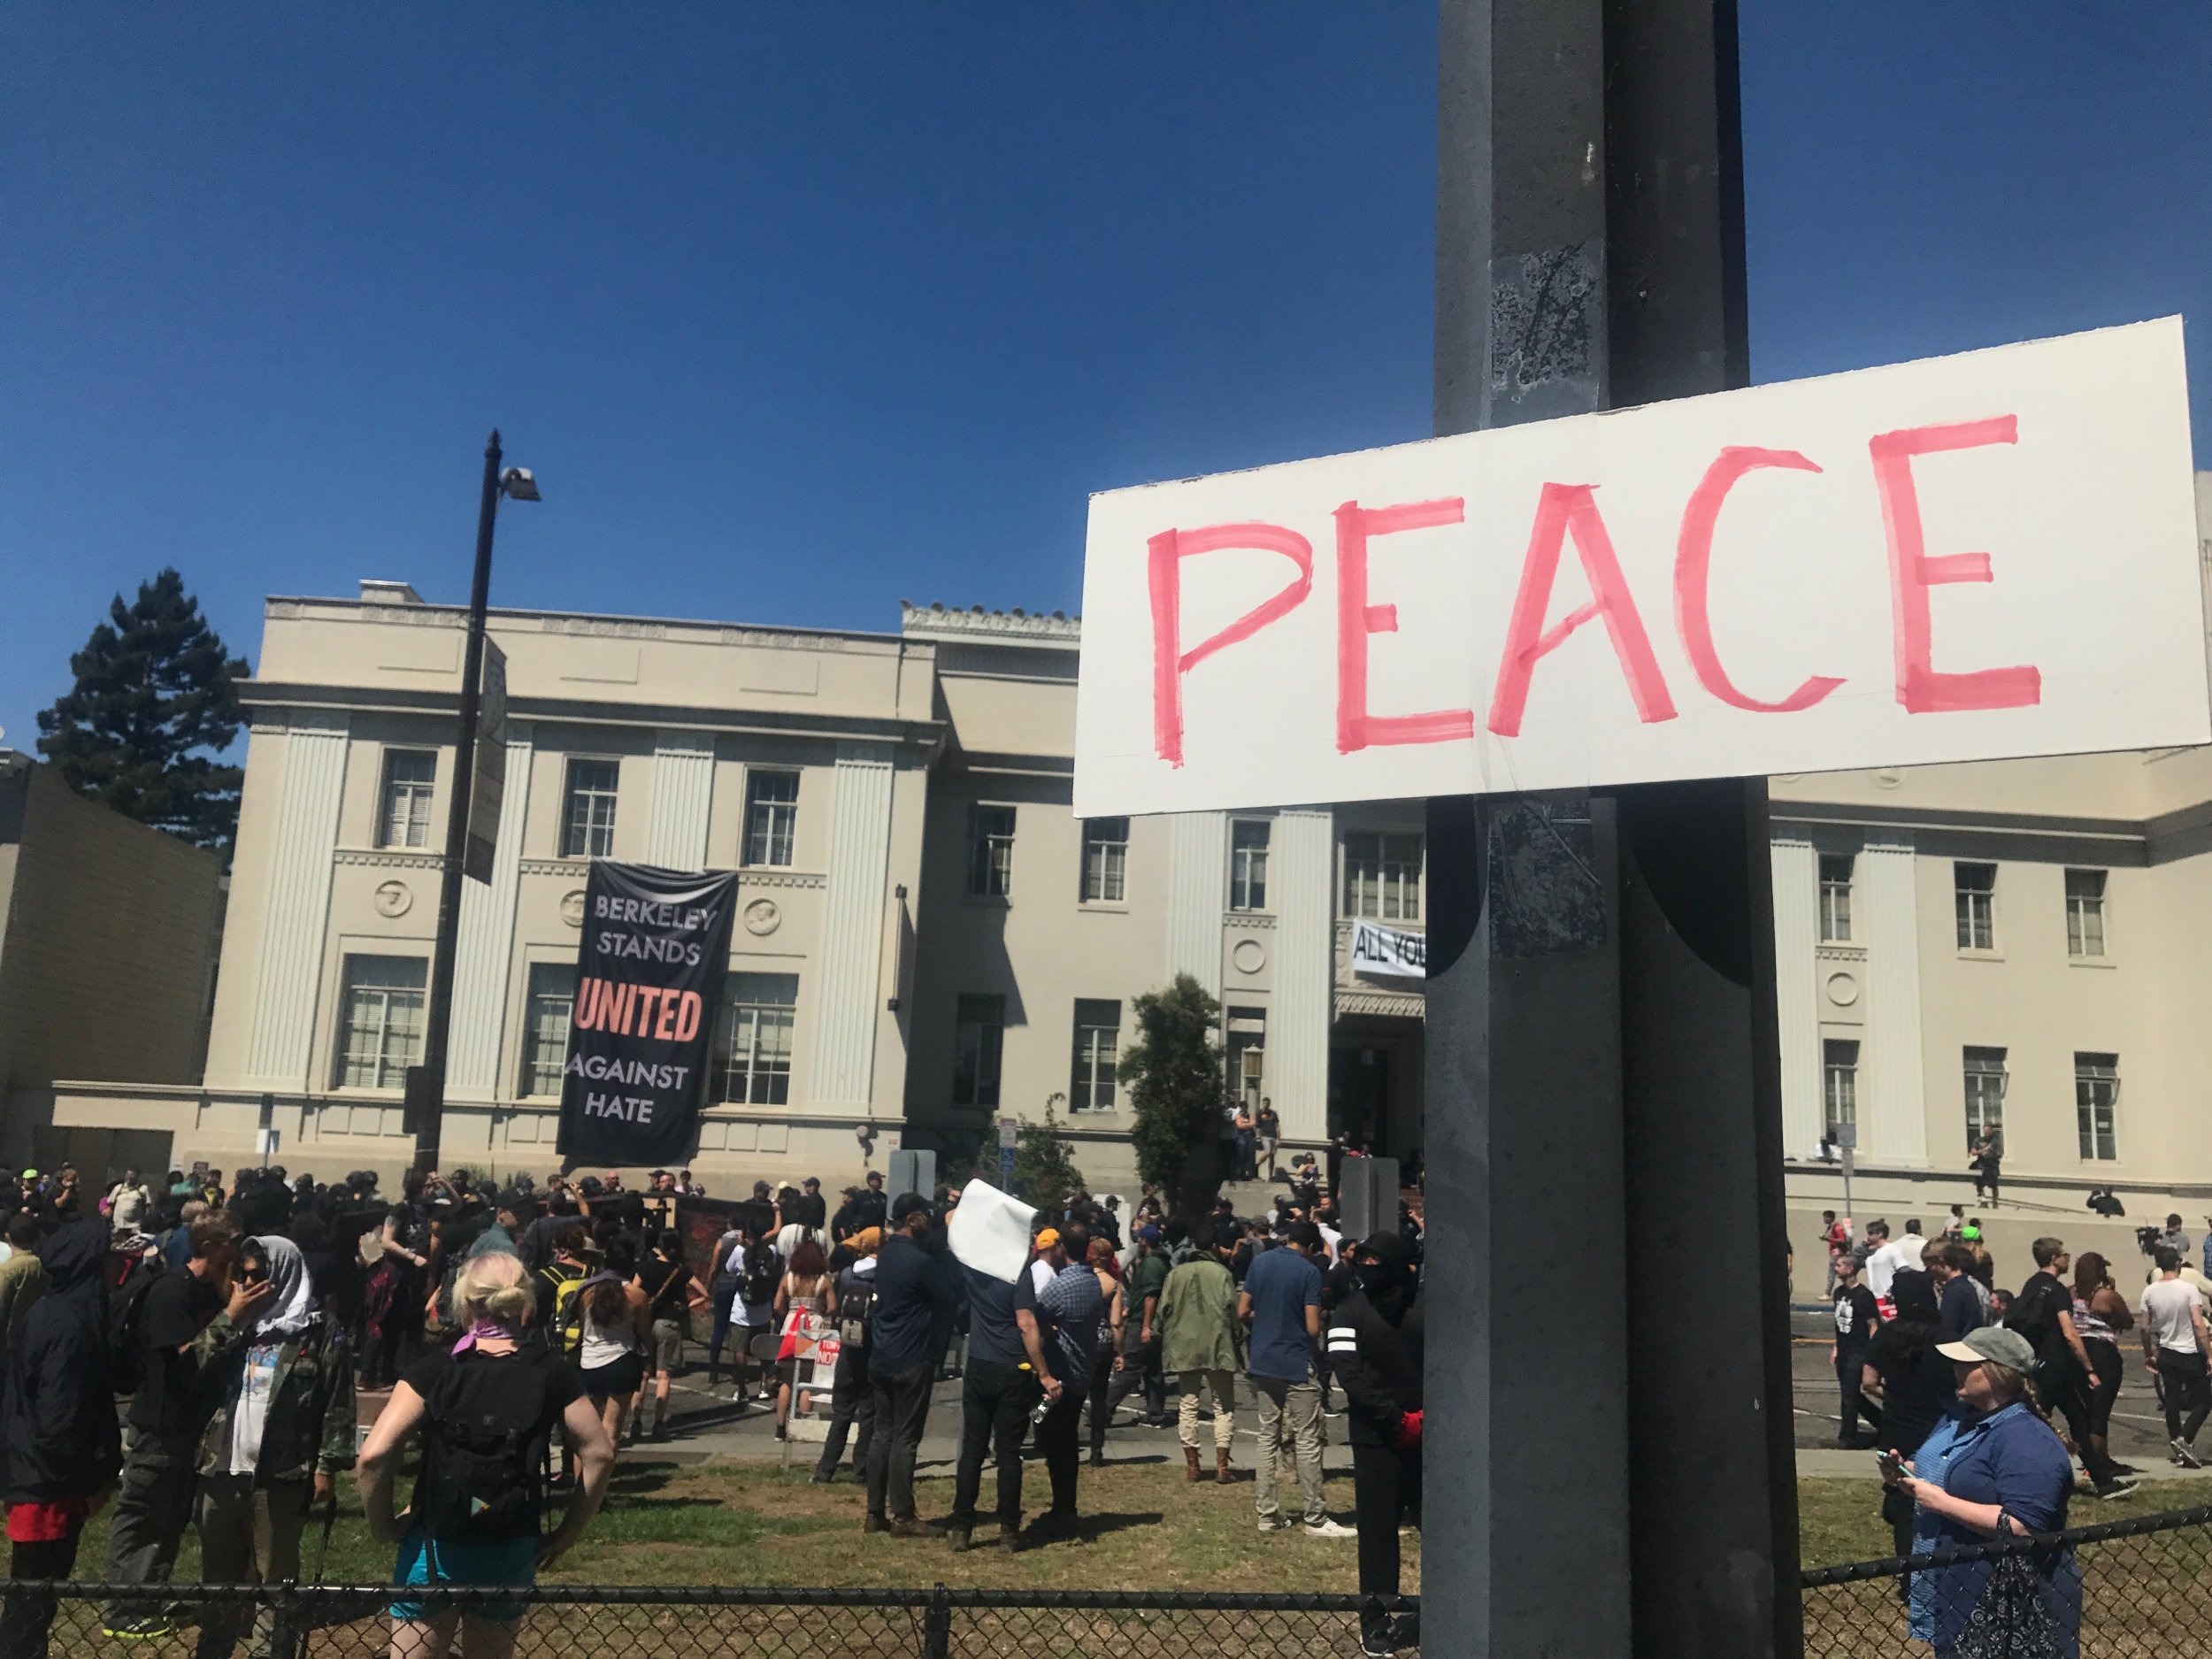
(690, 630)
(1058, 631)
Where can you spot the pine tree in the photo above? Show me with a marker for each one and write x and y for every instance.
(1174, 1079)
(155, 704)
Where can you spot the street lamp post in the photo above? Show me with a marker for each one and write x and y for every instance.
(426, 1082)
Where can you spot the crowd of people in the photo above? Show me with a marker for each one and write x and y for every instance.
(1958, 1381)
(196, 1355)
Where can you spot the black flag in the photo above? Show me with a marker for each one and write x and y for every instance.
(649, 978)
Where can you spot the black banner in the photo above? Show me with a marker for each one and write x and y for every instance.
(647, 980)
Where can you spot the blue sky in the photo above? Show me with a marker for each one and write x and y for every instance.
(797, 310)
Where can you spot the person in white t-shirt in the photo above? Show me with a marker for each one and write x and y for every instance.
(1909, 1246)
(1883, 1259)
(2176, 1345)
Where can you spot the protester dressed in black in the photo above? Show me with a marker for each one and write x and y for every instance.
(1857, 1316)
(60, 1445)
(1918, 1387)
(1375, 1345)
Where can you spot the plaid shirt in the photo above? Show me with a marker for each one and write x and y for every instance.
(1072, 1304)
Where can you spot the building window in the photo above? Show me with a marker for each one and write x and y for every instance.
(1097, 1046)
(410, 774)
(1975, 893)
(751, 1061)
(1246, 1055)
(771, 817)
(1105, 860)
(587, 815)
(2084, 912)
(981, 1041)
(380, 1031)
(991, 851)
(1840, 1084)
(1382, 877)
(545, 1026)
(1835, 898)
(1984, 1095)
(1247, 864)
(2096, 1095)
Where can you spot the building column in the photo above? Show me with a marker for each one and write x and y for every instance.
(1197, 888)
(1796, 934)
(297, 902)
(484, 966)
(1892, 1110)
(1301, 881)
(683, 797)
(847, 990)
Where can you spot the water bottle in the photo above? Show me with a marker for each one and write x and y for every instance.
(1039, 1412)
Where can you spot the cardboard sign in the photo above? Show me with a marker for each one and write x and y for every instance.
(1968, 558)
(990, 1232)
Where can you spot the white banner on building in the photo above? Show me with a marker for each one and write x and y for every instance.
(1388, 950)
(1968, 558)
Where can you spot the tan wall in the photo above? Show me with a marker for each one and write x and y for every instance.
(108, 944)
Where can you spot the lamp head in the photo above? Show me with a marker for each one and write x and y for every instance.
(519, 484)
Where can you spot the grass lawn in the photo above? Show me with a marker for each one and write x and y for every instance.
(1145, 1528)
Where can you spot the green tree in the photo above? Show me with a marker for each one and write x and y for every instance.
(1045, 1171)
(1173, 1075)
(155, 705)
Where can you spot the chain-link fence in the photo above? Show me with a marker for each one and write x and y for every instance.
(2129, 1588)
(355, 1622)
(2136, 1587)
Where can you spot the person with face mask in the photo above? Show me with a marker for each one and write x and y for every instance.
(1374, 1345)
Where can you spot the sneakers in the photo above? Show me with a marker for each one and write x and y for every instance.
(2117, 1489)
(145, 1628)
(1378, 1643)
(2185, 1455)
(961, 1540)
(1274, 1524)
(1326, 1528)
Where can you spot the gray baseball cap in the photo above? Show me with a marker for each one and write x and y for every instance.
(1992, 1342)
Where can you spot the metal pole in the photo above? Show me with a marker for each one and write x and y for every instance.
(1600, 1038)
(428, 1100)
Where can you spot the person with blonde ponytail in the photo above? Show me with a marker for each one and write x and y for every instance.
(486, 1412)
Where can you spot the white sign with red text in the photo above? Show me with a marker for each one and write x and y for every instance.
(1972, 557)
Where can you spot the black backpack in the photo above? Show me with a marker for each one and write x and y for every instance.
(487, 1438)
(762, 1267)
(126, 1320)
(854, 1311)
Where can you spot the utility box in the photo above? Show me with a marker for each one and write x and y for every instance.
(1367, 1196)
(913, 1170)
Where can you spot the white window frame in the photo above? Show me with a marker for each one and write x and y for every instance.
(2088, 915)
(1105, 861)
(1839, 1083)
(1097, 1052)
(2097, 1094)
(587, 834)
(1384, 885)
(991, 827)
(549, 1001)
(1974, 908)
(772, 819)
(1983, 1101)
(1838, 872)
(1248, 863)
(376, 1007)
(978, 1023)
(404, 805)
(755, 1027)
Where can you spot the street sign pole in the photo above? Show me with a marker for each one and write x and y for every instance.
(1009, 1135)
(1602, 1044)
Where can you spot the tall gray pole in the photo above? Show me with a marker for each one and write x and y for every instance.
(1608, 1449)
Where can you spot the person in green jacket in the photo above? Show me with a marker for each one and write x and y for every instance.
(282, 1427)
(1202, 1340)
(22, 1276)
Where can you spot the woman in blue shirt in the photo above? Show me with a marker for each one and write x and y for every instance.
(1990, 1465)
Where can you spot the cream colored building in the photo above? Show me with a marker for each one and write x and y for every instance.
(107, 958)
(926, 938)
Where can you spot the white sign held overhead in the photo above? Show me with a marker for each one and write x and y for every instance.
(1972, 557)
(1389, 950)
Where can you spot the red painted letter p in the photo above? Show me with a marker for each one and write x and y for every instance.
(1170, 661)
